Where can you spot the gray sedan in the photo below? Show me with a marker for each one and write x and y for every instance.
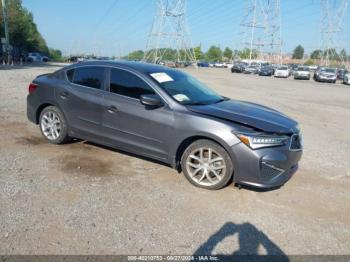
(167, 115)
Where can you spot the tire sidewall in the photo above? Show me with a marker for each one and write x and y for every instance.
(62, 138)
(208, 143)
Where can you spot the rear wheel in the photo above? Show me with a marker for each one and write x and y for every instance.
(207, 165)
(53, 125)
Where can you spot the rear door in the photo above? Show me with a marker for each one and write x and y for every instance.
(81, 99)
(130, 124)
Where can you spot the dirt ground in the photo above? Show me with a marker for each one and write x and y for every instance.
(81, 198)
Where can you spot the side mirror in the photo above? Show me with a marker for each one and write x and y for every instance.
(151, 100)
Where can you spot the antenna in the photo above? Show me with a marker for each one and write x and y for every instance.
(332, 21)
(170, 32)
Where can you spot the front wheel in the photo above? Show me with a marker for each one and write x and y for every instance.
(207, 165)
(53, 125)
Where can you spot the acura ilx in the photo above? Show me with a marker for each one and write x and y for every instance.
(167, 115)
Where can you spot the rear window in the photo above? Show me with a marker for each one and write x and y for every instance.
(91, 76)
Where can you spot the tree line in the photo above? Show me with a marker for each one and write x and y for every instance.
(331, 53)
(213, 54)
(23, 32)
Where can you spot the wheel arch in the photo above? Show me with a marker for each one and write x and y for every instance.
(43, 106)
(189, 140)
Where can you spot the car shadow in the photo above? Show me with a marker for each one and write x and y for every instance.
(125, 153)
(257, 189)
(249, 238)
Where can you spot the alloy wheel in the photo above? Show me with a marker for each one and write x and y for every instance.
(51, 125)
(205, 166)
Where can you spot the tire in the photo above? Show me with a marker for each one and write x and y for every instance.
(205, 174)
(53, 125)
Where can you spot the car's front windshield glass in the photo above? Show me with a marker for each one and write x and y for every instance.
(329, 70)
(185, 89)
(303, 69)
(283, 68)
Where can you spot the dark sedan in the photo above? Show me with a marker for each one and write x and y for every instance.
(167, 115)
(266, 71)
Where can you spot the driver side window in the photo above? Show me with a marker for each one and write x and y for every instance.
(128, 84)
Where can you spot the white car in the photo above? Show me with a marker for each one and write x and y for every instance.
(302, 72)
(219, 65)
(346, 79)
(282, 71)
(36, 57)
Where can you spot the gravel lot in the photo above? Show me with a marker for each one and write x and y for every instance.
(81, 198)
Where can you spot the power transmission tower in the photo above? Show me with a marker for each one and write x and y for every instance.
(254, 27)
(170, 33)
(261, 30)
(275, 31)
(332, 30)
(7, 38)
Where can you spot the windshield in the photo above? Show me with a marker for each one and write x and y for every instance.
(303, 69)
(283, 68)
(329, 70)
(185, 89)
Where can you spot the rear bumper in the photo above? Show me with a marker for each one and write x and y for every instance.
(31, 110)
(264, 168)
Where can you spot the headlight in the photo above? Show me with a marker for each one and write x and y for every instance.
(259, 141)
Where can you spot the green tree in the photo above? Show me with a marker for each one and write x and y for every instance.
(298, 52)
(135, 55)
(214, 54)
(55, 54)
(198, 54)
(228, 53)
(316, 54)
(331, 54)
(245, 53)
(343, 55)
(22, 29)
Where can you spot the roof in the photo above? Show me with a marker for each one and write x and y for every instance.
(138, 66)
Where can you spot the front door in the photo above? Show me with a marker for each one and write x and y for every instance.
(130, 124)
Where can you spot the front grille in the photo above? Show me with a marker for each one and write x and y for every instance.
(296, 142)
(269, 172)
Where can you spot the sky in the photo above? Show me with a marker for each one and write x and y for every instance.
(117, 27)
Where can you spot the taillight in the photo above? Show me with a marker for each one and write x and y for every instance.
(32, 88)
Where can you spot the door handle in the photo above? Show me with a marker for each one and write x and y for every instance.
(64, 94)
(111, 109)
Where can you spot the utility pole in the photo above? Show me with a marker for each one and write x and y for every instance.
(4, 12)
(170, 32)
(332, 29)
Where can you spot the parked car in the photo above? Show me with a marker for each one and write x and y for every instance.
(167, 115)
(341, 73)
(238, 68)
(266, 71)
(36, 57)
(203, 64)
(326, 74)
(251, 70)
(302, 72)
(219, 65)
(282, 71)
(346, 79)
(312, 67)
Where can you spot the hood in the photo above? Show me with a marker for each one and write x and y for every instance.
(327, 74)
(249, 114)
